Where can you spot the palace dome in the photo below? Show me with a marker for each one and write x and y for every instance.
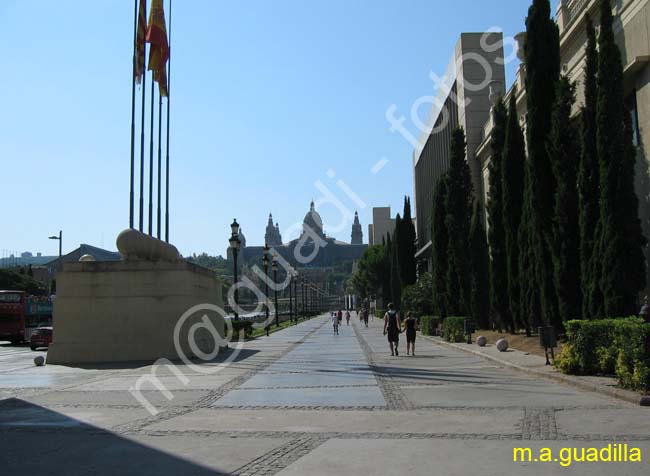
(313, 220)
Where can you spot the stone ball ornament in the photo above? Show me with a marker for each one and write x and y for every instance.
(39, 361)
(502, 345)
(481, 341)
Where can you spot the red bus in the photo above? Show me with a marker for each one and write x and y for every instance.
(20, 315)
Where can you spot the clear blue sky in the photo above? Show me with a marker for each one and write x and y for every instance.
(268, 96)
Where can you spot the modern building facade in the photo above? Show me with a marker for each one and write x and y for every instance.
(475, 72)
(631, 27)
(382, 225)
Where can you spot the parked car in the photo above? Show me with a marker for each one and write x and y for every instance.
(42, 337)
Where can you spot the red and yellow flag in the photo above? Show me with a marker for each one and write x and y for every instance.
(140, 41)
(159, 50)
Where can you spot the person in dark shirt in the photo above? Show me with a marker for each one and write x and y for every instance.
(411, 325)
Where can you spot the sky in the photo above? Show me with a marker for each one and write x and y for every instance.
(273, 104)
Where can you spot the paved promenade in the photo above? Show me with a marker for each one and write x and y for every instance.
(305, 402)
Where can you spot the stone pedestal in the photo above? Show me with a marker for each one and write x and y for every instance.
(128, 311)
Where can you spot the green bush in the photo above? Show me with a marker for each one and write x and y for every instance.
(238, 326)
(453, 329)
(608, 347)
(429, 325)
(379, 313)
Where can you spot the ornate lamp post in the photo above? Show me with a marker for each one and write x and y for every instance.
(274, 266)
(290, 273)
(295, 294)
(302, 294)
(265, 263)
(235, 242)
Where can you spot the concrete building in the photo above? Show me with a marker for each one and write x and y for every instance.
(381, 225)
(475, 72)
(631, 23)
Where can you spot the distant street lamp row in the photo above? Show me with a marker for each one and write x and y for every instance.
(316, 301)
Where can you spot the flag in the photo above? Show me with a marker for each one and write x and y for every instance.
(140, 41)
(159, 50)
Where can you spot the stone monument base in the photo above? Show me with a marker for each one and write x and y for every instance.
(128, 311)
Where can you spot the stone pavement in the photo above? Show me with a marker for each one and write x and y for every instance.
(303, 401)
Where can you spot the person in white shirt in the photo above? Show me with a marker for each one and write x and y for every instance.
(335, 323)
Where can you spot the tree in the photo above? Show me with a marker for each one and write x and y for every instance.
(459, 212)
(417, 297)
(542, 58)
(529, 295)
(372, 271)
(480, 271)
(439, 246)
(512, 183)
(563, 147)
(621, 242)
(588, 185)
(408, 265)
(496, 233)
(395, 280)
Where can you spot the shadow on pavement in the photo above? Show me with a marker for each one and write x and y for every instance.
(38, 441)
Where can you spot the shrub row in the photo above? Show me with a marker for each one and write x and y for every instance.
(429, 325)
(618, 347)
(453, 329)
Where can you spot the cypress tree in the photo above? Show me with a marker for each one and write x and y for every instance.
(529, 295)
(512, 178)
(459, 212)
(588, 185)
(480, 271)
(542, 53)
(563, 147)
(496, 233)
(395, 280)
(408, 265)
(439, 246)
(621, 241)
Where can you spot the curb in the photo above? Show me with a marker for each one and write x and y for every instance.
(621, 394)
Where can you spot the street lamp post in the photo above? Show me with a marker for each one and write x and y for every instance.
(265, 262)
(274, 266)
(235, 242)
(302, 295)
(60, 238)
(290, 273)
(295, 294)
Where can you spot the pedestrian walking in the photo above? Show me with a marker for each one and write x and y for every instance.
(347, 317)
(340, 316)
(365, 316)
(411, 326)
(335, 323)
(392, 326)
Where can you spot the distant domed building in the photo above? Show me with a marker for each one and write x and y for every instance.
(301, 252)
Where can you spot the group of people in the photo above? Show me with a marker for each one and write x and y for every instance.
(337, 319)
(393, 327)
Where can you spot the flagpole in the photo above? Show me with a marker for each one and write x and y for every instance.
(159, 161)
(144, 88)
(169, 83)
(135, 53)
(151, 159)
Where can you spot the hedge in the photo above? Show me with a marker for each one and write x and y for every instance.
(238, 325)
(618, 347)
(453, 329)
(429, 325)
(379, 313)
